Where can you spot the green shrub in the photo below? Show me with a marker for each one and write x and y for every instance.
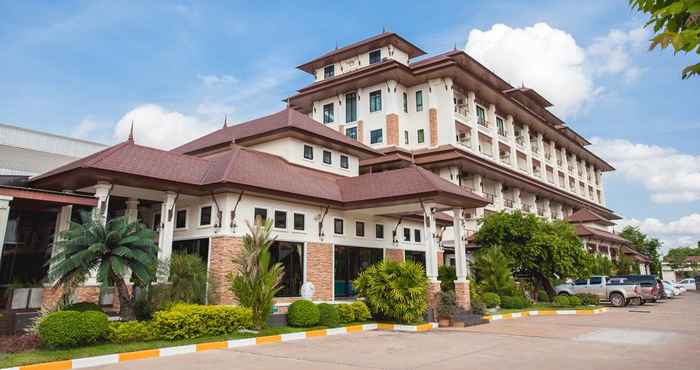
(491, 300)
(478, 307)
(542, 296)
(361, 311)
(516, 302)
(130, 331)
(82, 307)
(303, 314)
(346, 313)
(188, 278)
(561, 301)
(447, 304)
(447, 276)
(396, 291)
(328, 315)
(64, 329)
(588, 299)
(574, 301)
(492, 270)
(187, 321)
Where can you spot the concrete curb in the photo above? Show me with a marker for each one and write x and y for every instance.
(521, 314)
(201, 347)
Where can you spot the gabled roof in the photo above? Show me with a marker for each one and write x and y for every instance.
(635, 255)
(593, 232)
(363, 46)
(584, 215)
(285, 122)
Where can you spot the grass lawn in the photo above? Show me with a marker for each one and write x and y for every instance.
(543, 307)
(47, 355)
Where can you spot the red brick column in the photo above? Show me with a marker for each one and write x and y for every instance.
(392, 129)
(319, 269)
(462, 294)
(433, 299)
(221, 251)
(440, 258)
(433, 121)
(395, 255)
(360, 131)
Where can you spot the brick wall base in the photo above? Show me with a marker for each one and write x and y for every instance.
(395, 255)
(51, 296)
(392, 129)
(221, 252)
(433, 298)
(462, 294)
(433, 121)
(440, 258)
(319, 269)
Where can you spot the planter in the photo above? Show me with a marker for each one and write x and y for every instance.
(492, 311)
(458, 324)
(444, 322)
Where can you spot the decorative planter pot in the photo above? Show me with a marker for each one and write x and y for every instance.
(458, 324)
(444, 322)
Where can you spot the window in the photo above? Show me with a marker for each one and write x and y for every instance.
(280, 220)
(350, 107)
(181, 219)
(338, 226)
(379, 231)
(156, 222)
(406, 234)
(259, 215)
(501, 127)
(480, 115)
(419, 101)
(299, 222)
(415, 256)
(405, 137)
(291, 256)
(375, 136)
(375, 101)
(375, 56)
(351, 132)
(329, 71)
(405, 102)
(205, 216)
(327, 157)
(308, 152)
(349, 262)
(359, 229)
(197, 247)
(581, 282)
(596, 280)
(416, 236)
(421, 136)
(328, 113)
(344, 162)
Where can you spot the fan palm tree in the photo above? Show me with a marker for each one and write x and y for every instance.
(111, 250)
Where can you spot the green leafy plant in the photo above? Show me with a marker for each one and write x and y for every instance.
(130, 331)
(542, 296)
(303, 313)
(574, 301)
(82, 307)
(65, 329)
(478, 307)
(588, 299)
(602, 265)
(514, 302)
(561, 301)
(491, 300)
(114, 250)
(361, 311)
(447, 304)
(346, 313)
(396, 291)
(328, 315)
(493, 273)
(188, 279)
(188, 321)
(257, 279)
(447, 276)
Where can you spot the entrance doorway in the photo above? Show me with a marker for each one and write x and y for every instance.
(349, 263)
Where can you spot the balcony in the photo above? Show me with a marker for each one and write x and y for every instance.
(548, 156)
(508, 203)
(534, 147)
(462, 112)
(491, 197)
(502, 132)
(559, 162)
(527, 207)
(465, 140)
(520, 141)
(537, 172)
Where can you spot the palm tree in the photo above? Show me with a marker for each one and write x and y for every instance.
(112, 250)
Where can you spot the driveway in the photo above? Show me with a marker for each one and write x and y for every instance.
(655, 336)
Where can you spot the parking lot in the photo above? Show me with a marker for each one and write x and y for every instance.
(654, 336)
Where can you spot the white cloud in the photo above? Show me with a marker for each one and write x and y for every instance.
(155, 126)
(682, 232)
(612, 53)
(670, 176)
(215, 80)
(86, 127)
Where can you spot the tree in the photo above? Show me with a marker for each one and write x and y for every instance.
(626, 266)
(644, 245)
(255, 279)
(602, 265)
(676, 23)
(112, 250)
(493, 273)
(188, 279)
(544, 250)
(678, 257)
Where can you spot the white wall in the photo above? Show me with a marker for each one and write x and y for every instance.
(362, 60)
(292, 150)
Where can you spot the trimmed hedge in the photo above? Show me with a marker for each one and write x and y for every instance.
(130, 331)
(561, 301)
(491, 300)
(65, 329)
(346, 313)
(188, 321)
(574, 301)
(542, 296)
(361, 311)
(514, 302)
(328, 315)
(303, 314)
(588, 299)
(82, 307)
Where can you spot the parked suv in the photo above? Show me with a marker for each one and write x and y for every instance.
(619, 291)
(649, 287)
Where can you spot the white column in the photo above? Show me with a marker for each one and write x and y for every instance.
(491, 119)
(547, 209)
(460, 250)
(517, 204)
(528, 150)
(63, 218)
(102, 193)
(431, 258)
(4, 217)
(478, 212)
(132, 210)
(165, 237)
(499, 195)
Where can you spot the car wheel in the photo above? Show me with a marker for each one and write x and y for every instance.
(617, 300)
(642, 302)
(564, 293)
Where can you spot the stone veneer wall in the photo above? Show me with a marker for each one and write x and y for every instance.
(396, 255)
(91, 294)
(433, 121)
(319, 269)
(221, 252)
(392, 129)
(462, 294)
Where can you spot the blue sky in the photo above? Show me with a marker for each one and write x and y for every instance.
(177, 67)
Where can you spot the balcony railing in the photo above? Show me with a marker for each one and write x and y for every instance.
(537, 172)
(559, 162)
(465, 140)
(502, 132)
(520, 141)
(462, 109)
(491, 197)
(508, 203)
(527, 207)
(534, 147)
(483, 122)
(548, 156)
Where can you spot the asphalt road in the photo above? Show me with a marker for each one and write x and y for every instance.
(654, 336)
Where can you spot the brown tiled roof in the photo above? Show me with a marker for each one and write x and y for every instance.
(635, 255)
(593, 232)
(285, 120)
(584, 215)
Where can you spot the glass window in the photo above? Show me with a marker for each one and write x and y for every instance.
(375, 136)
(338, 226)
(308, 152)
(501, 127)
(205, 216)
(156, 222)
(379, 231)
(419, 101)
(416, 256)
(349, 263)
(181, 219)
(299, 222)
(405, 137)
(421, 136)
(375, 101)
(405, 102)
(259, 215)
(329, 71)
(350, 107)
(375, 56)
(328, 113)
(416, 235)
(359, 228)
(480, 115)
(581, 282)
(351, 132)
(344, 162)
(596, 280)
(406, 234)
(327, 157)
(291, 256)
(197, 247)
(280, 219)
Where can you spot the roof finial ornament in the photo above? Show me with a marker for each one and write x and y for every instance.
(336, 44)
(225, 120)
(131, 132)
(383, 29)
(455, 48)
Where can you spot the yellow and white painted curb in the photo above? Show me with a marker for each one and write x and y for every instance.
(201, 347)
(516, 315)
